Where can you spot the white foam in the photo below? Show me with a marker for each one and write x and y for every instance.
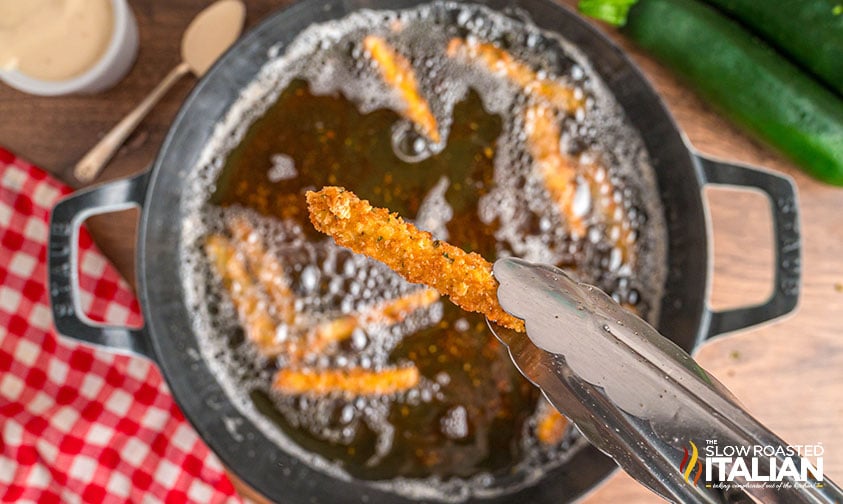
(330, 280)
(434, 212)
(283, 168)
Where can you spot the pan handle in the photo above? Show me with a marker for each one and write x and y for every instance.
(782, 193)
(63, 255)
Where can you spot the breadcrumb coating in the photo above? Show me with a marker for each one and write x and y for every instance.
(251, 275)
(558, 169)
(499, 61)
(267, 268)
(551, 425)
(618, 228)
(414, 254)
(252, 309)
(387, 312)
(563, 173)
(398, 73)
(350, 382)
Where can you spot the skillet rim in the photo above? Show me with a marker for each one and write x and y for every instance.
(640, 103)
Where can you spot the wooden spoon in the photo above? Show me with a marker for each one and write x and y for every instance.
(210, 33)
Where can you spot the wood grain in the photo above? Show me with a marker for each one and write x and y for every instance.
(55, 133)
(789, 374)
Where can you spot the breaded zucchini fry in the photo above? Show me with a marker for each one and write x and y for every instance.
(350, 382)
(466, 278)
(247, 296)
(324, 333)
(320, 336)
(268, 269)
(398, 73)
(619, 229)
(388, 312)
(558, 169)
(551, 425)
(500, 62)
(396, 310)
(251, 307)
(560, 172)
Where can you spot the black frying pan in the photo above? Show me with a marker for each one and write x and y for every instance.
(168, 338)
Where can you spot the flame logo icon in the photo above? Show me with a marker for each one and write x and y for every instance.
(691, 462)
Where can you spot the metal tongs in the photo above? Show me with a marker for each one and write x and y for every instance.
(633, 393)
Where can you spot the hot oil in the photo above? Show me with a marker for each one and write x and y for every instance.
(321, 115)
(474, 389)
(331, 143)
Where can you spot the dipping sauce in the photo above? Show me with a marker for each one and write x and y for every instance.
(54, 40)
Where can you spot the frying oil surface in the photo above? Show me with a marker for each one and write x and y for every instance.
(321, 114)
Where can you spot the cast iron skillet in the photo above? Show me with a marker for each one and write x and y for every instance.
(168, 339)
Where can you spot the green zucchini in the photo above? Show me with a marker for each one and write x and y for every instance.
(751, 83)
(810, 32)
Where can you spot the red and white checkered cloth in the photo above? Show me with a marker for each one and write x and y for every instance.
(77, 423)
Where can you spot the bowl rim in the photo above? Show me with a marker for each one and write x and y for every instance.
(121, 25)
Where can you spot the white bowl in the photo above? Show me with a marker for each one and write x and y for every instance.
(111, 67)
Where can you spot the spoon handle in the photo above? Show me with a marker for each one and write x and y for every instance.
(96, 158)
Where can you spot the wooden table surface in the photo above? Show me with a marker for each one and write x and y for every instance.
(789, 374)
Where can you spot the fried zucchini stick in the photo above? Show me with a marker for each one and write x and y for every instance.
(350, 382)
(398, 73)
(551, 425)
(558, 170)
(619, 229)
(500, 62)
(388, 312)
(267, 268)
(396, 310)
(270, 275)
(465, 277)
(251, 307)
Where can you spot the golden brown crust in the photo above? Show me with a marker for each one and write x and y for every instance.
(396, 310)
(324, 334)
(619, 229)
(267, 268)
(465, 277)
(247, 298)
(352, 382)
(387, 312)
(498, 61)
(398, 73)
(558, 170)
(551, 425)
(236, 260)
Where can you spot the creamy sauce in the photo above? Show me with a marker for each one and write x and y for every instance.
(53, 39)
